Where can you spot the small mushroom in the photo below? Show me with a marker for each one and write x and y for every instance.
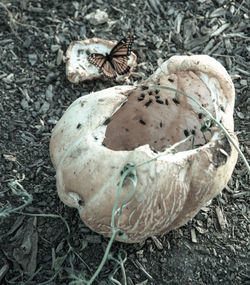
(78, 67)
(102, 132)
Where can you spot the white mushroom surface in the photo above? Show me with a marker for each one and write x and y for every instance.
(101, 132)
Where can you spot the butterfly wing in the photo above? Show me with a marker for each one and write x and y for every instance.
(123, 48)
(120, 64)
(97, 59)
(119, 55)
(102, 62)
(116, 61)
(108, 70)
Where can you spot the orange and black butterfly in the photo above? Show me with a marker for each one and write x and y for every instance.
(116, 62)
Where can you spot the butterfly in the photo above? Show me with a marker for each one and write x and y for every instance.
(115, 62)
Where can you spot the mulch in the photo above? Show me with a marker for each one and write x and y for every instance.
(35, 245)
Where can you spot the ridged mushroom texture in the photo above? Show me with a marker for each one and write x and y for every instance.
(189, 159)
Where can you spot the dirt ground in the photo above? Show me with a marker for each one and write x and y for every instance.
(34, 92)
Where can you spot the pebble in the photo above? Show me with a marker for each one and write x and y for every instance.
(51, 77)
(59, 57)
(24, 104)
(45, 107)
(243, 82)
(55, 48)
(97, 18)
(52, 122)
(37, 105)
(32, 58)
(27, 42)
(9, 78)
(49, 95)
(82, 32)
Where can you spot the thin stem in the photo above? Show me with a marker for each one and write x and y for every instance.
(104, 257)
(46, 215)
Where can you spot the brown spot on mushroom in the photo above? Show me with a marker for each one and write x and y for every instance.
(222, 108)
(107, 121)
(148, 103)
(176, 101)
(81, 203)
(186, 133)
(159, 101)
(141, 97)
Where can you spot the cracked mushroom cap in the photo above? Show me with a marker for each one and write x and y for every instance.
(100, 133)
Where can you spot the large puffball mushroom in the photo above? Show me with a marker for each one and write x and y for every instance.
(78, 67)
(102, 132)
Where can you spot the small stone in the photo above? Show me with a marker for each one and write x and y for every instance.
(27, 43)
(51, 77)
(9, 78)
(214, 279)
(240, 115)
(49, 95)
(55, 48)
(243, 82)
(97, 18)
(45, 107)
(32, 58)
(24, 104)
(52, 121)
(59, 57)
(193, 236)
(37, 105)
(82, 32)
